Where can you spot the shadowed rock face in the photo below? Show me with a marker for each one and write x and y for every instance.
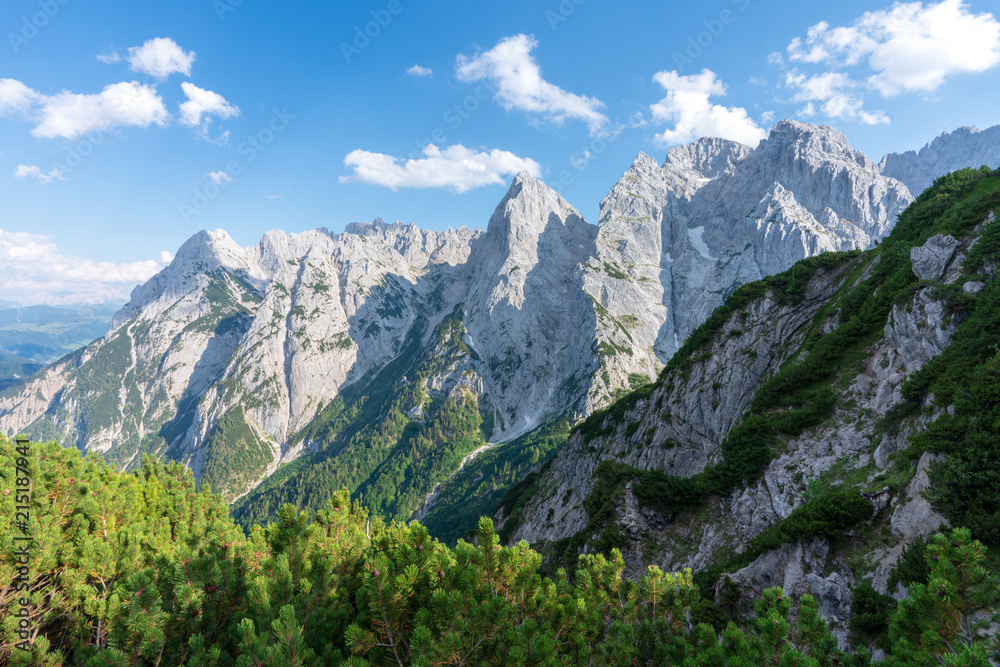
(559, 316)
(965, 147)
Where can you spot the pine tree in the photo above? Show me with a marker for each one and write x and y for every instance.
(944, 621)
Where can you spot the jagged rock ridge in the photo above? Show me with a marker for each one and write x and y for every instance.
(964, 147)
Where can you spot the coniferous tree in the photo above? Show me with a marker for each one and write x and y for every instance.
(945, 620)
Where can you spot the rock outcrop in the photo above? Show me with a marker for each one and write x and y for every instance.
(931, 260)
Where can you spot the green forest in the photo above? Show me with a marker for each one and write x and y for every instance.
(142, 568)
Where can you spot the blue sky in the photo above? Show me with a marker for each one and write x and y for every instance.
(127, 127)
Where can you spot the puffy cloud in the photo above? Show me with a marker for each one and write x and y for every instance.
(420, 70)
(455, 167)
(16, 98)
(688, 107)
(219, 177)
(836, 93)
(37, 272)
(909, 47)
(160, 57)
(70, 115)
(204, 103)
(519, 84)
(34, 172)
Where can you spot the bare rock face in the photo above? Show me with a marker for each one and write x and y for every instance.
(916, 518)
(920, 330)
(628, 279)
(965, 147)
(688, 168)
(525, 313)
(674, 241)
(420, 248)
(798, 569)
(27, 402)
(803, 191)
(932, 259)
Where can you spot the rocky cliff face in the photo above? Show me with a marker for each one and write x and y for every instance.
(965, 147)
(526, 315)
(237, 351)
(674, 241)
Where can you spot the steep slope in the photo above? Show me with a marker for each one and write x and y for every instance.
(965, 147)
(654, 276)
(792, 438)
(526, 315)
(501, 347)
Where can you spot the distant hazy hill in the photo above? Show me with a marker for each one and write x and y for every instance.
(37, 335)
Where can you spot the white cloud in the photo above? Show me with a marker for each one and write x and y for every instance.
(33, 171)
(455, 167)
(687, 106)
(837, 94)
(70, 115)
(37, 272)
(274, 196)
(200, 105)
(520, 85)
(219, 177)
(166, 257)
(202, 102)
(16, 98)
(909, 47)
(110, 58)
(161, 57)
(637, 120)
(420, 70)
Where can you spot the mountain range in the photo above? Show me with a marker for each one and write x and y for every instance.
(430, 370)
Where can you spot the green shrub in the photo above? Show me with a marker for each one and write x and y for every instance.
(912, 567)
(870, 610)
